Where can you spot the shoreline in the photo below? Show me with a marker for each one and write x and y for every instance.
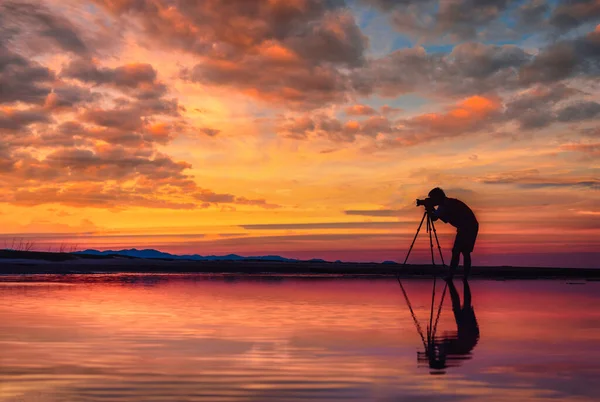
(119, 265)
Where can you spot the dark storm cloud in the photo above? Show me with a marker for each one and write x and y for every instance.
(85, 70)
(7, 162)
(459, 20)
(544, 105)
(463, 18)
(552, 64)
(470, 68)
(334, 39)
(116, 163)
(536, 107)
(157, 106)
(133, 123)
(532, 13)
(28, 18)
(535, 119)
(398, 72)
(570, 14)
(565, 59)
(583, 110)
(67, 134)
(132, 75)
(139, 78)
(124, 119)
(292, 83)
(476, 60)
(22, 80)
(69, 96)
(19, 120)
(477, 68)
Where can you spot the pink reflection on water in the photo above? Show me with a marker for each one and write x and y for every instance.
(198, 337)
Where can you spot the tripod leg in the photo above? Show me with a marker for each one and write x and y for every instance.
(412, 313)
(415, 238)
(438, 243)
(437, 318)
(430, 327)
(429, 226)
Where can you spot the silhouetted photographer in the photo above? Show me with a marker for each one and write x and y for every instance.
(459, 215)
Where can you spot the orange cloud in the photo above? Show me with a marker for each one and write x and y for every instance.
(463, 116)
(160, 132)
(592, 149)
(469, 115)
(360, 110)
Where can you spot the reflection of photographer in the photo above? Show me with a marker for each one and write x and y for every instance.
(453, 347)
(459, 215)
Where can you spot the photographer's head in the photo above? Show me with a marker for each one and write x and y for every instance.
(437, 196)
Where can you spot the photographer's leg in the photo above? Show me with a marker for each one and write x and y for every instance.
(455, 255)
(467, 264)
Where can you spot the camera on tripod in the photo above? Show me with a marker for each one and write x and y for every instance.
(427, 203)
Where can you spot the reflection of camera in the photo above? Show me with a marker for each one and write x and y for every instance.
(427, 203)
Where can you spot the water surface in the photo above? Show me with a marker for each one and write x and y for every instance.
(214, 338)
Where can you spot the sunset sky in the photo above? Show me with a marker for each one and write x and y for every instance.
(303, 128)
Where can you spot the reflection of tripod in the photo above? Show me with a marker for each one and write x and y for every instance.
(431, 351)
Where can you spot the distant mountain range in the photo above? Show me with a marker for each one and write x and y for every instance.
(151, 253)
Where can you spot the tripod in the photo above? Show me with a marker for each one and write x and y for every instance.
(429, 228)
(428, 344)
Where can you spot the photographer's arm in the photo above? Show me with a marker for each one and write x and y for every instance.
(438, 214)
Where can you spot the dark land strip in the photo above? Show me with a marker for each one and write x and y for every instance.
(27, 263)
